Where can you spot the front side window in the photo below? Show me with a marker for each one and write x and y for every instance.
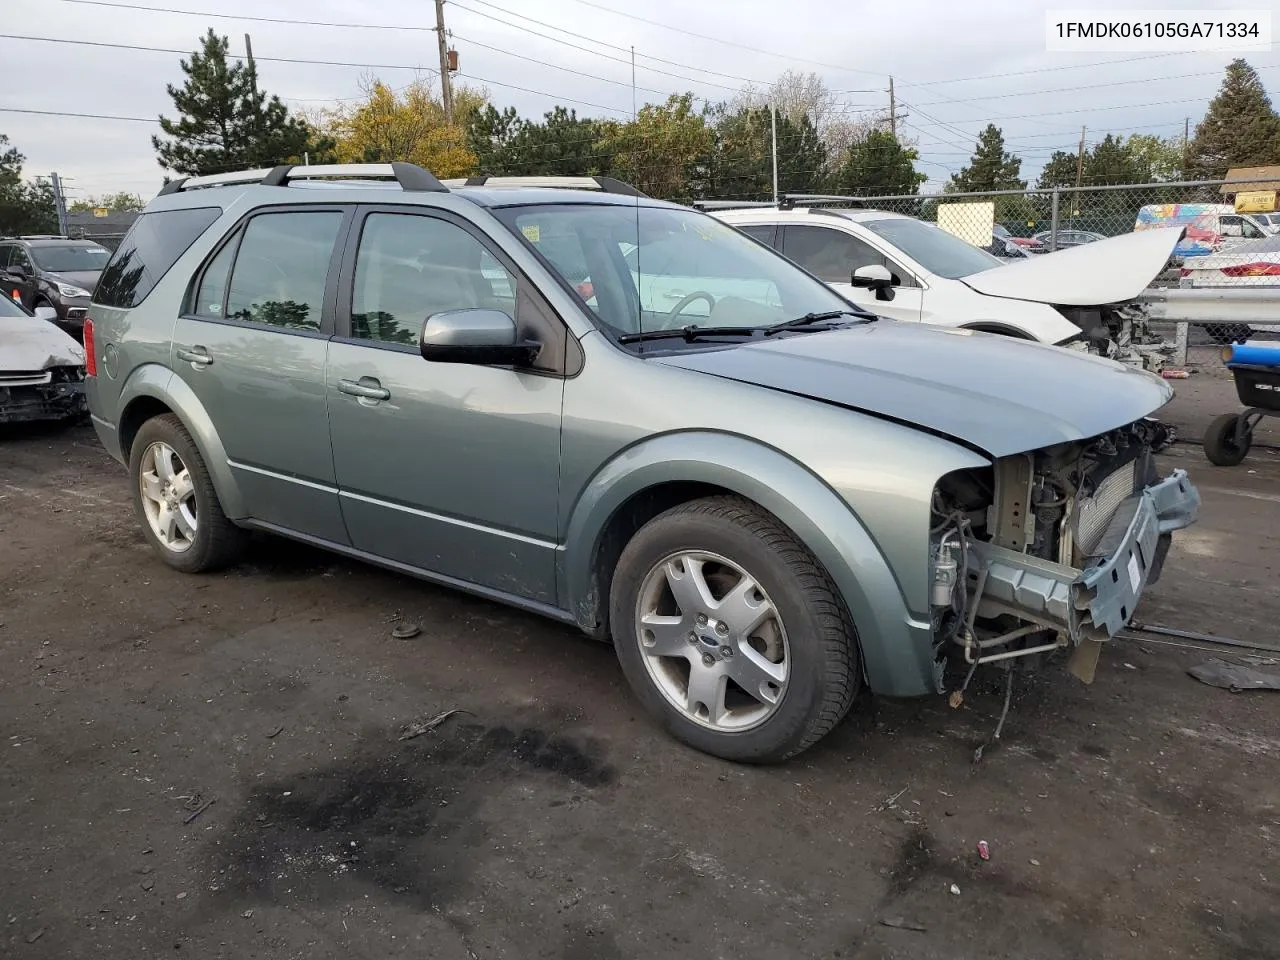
(410, 267)
(941, 253)
(830, 254)
(153, 245)
(281, 268)
(70, 259)
(642, 268)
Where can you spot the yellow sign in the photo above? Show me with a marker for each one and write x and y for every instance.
(532, 232)
(1255, 201)
(101, 212)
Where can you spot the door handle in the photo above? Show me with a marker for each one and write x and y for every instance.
(197, 356)
(366, 388)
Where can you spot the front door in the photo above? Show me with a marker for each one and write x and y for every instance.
(832, 255)
(450, 468)
(252, 345)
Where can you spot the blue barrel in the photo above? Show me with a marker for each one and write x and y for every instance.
(1256, 352)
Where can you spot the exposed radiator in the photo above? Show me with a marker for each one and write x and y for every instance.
(1094, 513)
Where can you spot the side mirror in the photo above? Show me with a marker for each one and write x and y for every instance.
(18, 270)
(874, 276)
(46, 313)
(484, 337)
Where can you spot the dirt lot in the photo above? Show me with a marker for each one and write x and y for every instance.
(1138, 817)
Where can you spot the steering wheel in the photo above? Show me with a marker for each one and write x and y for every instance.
(685, 301)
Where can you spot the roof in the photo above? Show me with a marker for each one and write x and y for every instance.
(1270, 177)
(859, 215)
(52, 241)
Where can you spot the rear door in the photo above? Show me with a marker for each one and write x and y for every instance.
(252, 344)
(832, 255)
(450, 468)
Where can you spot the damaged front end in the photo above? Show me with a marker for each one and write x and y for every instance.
(1120, 332)
(53, 393)
(1053, 548)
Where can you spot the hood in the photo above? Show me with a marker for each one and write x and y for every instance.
(81, 278)
(992, 393)
(1089, 275)
(28, 344)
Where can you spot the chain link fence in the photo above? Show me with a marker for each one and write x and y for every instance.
(1222, 283)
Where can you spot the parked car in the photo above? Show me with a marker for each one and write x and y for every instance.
(41, 368)
(1030, 244)
(1210, 227)
(1253, 264)
(55, 272)
(1006, 249)
(763, 495)
(1271, 221)
(901, 267)
(1068, 238)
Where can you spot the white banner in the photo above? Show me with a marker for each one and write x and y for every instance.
(1126, 31)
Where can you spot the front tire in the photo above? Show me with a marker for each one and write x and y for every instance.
(174, 499)
(730, 632)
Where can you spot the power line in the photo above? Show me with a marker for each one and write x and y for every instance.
(240, 16)
(328, 63)
(555, 66)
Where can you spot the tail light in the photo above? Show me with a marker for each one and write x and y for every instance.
(1253, 270)
(90, 354)
(1184, 272)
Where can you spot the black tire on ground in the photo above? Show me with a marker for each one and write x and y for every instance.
(218, 542)
(1220, 444)
(824, 669)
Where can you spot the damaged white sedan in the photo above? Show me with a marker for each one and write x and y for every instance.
(41, 368)
(906, 269)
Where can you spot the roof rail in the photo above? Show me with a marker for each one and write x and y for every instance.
(603, 184)
(40, 236)
(816, 199)
(410, 176)
(730, 204)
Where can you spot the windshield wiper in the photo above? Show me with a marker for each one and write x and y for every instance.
(691, 333)
(811, 318)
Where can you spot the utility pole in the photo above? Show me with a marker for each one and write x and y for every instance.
(773, 126)
(446, 82)
(633, 83)
(253, 87)
(893, 111)
(1080, 159)
(1186, 143)
(60, 201)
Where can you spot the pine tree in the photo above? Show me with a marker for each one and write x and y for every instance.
(990, 168)
(225, 122)
(1240, 128)
(878, 163)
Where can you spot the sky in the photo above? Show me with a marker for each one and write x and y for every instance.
(956, 67)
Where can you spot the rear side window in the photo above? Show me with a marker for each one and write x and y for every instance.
(152, 246)
(281, 269)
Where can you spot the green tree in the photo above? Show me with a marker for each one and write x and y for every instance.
(115, 202)
(25, 206)
(226, 122)
(990, 168)
(562, 144)
(489, 135)
(1240, 128)
(741, 164)
(1159, 159)
(879, 164)
(664, 151)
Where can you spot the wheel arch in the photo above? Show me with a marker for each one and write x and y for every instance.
(651, 477)
(153, 391)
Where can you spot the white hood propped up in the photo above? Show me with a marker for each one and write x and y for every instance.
(1106, 271)
(28, 344)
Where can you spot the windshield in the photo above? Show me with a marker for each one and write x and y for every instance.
(70, 259)
(939, 252)
(641, 268)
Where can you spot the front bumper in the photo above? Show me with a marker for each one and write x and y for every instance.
(51, 401)
(1096, 602)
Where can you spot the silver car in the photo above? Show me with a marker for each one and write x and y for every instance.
(629, 417)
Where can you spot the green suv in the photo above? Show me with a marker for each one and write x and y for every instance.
(627, 416)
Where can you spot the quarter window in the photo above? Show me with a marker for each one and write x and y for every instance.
(153, 245)
(281, 269)
(410, 267)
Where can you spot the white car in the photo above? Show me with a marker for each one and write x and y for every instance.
(1252, 264)
(41, 368)
(900, 267)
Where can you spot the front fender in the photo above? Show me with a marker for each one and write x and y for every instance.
(160, 383)
(896, 649)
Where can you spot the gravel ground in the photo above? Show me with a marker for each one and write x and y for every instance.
(212, 766)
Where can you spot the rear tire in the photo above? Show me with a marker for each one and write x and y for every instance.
(174, 499)
(1220, 444)
(764, 617)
